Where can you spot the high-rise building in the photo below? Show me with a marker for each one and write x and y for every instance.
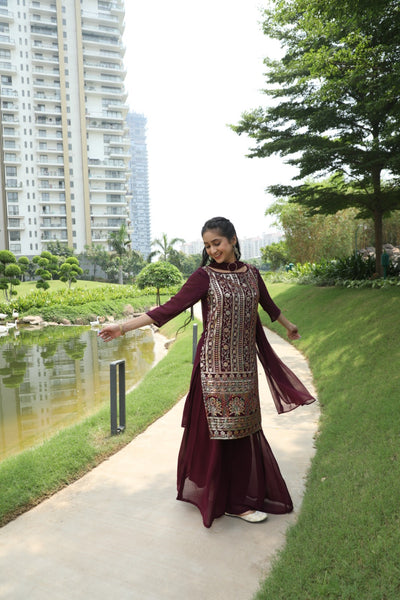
(64, 149)
(139, 185)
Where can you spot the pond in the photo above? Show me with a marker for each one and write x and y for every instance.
(56, 376)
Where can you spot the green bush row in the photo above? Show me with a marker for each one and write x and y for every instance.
(48, 303)
(352, 271)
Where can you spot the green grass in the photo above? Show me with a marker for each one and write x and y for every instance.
(345, 545)
(29, 477)
(30, 286)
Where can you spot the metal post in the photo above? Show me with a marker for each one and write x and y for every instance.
(194, 341)
(115, 428)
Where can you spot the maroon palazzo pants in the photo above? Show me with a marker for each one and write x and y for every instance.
(221, 476)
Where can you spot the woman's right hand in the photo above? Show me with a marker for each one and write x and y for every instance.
(110, 332)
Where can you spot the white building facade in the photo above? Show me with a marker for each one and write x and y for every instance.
(64, 162)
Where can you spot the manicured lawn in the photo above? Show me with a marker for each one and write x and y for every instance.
(28, 286)
(346, 543)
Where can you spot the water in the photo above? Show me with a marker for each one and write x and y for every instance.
(56, 376)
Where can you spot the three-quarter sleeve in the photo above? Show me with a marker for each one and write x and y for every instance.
(266, 301)
(195, 288)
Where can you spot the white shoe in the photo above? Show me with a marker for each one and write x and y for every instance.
(253, 517)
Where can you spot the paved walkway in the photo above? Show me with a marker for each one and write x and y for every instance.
(119, 532)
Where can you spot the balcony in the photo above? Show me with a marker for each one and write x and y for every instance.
(46, 212)
(45, 60)
(43, 8)
(45, 33)
(45, 185)
(98, 177)
(7, 67)
(98, 16)
(10, 106)
(49, 112)
(48, 122)
(38, 84)
(15, 224)
(13, 185)
(104, 66)
(6, 15)
(106, 127)
(12, 161)
(43, 97)
(56, 223)
(5, 91)
(44, 173)
(116, 164)
(53, 138)
(9, 119)
(6, 41)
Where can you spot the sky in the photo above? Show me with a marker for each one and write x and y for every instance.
(192, 69)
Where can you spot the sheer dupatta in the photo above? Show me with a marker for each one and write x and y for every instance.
(286, 388)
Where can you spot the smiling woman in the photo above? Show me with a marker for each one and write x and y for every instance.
(225, 464)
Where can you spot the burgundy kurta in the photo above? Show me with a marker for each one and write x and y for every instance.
(236, 471)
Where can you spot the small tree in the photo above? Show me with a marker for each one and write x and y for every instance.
(69, 270)
(9, 273)
(276, 254)
(159, 275)
(23, 263)
(42, 272)
(58, 248)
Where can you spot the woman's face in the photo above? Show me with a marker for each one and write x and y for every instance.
(219, 247)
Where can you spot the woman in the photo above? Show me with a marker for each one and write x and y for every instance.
(225, 464)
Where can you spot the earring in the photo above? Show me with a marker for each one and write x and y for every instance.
(236, 251)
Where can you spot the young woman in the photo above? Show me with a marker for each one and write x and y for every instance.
(225, 465)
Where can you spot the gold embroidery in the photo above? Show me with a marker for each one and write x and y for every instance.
(228, 357)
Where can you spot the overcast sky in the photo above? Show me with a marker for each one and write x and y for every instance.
(193, 68)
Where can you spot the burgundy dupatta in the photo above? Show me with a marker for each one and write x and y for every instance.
(286, 388)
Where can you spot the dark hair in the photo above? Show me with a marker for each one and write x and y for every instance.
(226, 229)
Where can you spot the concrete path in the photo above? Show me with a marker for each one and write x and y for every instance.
(119, 532)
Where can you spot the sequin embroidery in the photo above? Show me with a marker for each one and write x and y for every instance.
(228, 358)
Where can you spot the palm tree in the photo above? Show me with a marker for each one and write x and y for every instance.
(165, 246)
(119, 240)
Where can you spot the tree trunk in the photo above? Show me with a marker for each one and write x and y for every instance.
(378, 225)
(120, 277)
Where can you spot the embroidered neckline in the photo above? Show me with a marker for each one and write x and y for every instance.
(230, 267)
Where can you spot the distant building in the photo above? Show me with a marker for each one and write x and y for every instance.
(250, 247)
(139, 185)
(63, 144)
(193, 247)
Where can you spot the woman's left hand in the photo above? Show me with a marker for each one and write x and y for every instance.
(293, 332)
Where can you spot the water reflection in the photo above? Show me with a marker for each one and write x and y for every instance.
(56, 376)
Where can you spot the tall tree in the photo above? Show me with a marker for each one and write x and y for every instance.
(335, 106)
(119, 242)
(165, 247)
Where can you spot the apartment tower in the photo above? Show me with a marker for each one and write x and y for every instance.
(64, 144)
(139, 185)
